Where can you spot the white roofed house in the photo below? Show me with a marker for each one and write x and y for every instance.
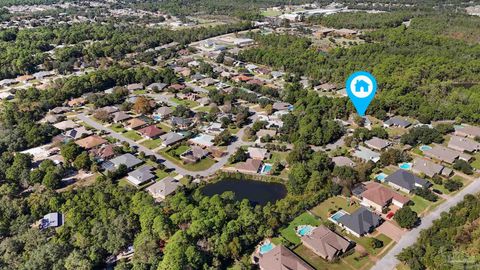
(163, 188)
(366, 154)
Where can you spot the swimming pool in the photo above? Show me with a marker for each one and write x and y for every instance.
(266, 168)
(405, 166)
(425, 148)
(335, 217)
(381, 177)
(266, 247)
(304, 230)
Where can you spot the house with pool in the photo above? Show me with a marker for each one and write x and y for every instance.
(280, 257)
(360, 222)
(326, 243)
(406, 181)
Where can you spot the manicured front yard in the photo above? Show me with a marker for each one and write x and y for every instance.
(420, 204)
(161, 174)
(365, 242)
(152, 144)
(476, 163)
(185, 102)
(132, 135)
(117, 128)
(164, 127)
(199, 166)
(290, 234)
(333, 204)
(317, 262)
(278, 156)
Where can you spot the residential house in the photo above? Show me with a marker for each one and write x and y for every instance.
(141, 175)
(77, 133)
(109, 109)
(214, 128)
(445, 154)
(104, 152)
(249, 166)
(157, 86)
(51, 220)
(343, 161)
(197, 77)
(171, 138)
(43, 74)
(91, 142)
(360, 222)
(66, 125)
(6, 96)
(7, 82)
(426, 167)
(163, 113)
(326, 87)
(366, 154)
(202, 140)
(135, 87)
(463, 144)
(25, 78)
(256, 82)
(177, 86)
(379, 197)
(277, 74)
(59, 110)
(120, 116)
(135, 123)
(194, 154)
(377, 143)
(282, 258)
(151, 132)
(468, 131)
(128, 160)
(266, 132)
(397, 122)
(282, 106)
(406, 181)
(258, 153)
(242, 78)
(180, 122)
(76, 102)
(326, 243)
(164, 187)
(208, 82)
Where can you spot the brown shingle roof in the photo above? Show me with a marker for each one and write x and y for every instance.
(281, 258)
(91, 141)
(326, 243)
(151, 131)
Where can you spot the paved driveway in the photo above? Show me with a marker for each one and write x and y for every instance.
(389, 261)
(391, 230)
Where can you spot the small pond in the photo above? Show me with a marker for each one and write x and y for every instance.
(257, 192)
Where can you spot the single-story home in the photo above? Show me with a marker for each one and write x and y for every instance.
(141, 175)
(164, 187)
(468, 131)
(280, 258)
(157, 86)
(427, 167)
(258, 153)
(128, 159)
(360, 222)
(91, 142)
(105, 152)
(343, 161)
(377, 143)
(135, 86)
(445, 154)
(406, 181)
(397, 121)
(264, 132)
(379, 197)
(366, 154)
(180, 122)
(52, 220)
(135, 123)
(151, 132)
(463, 144)
(282, 106)
(66, 125)
(249, 166)
(171, 138)
(326, 243)
(120, 116)
(163, 112)
(194, 154)
(202, 140)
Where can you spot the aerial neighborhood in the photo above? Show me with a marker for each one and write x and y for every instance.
(161, 141)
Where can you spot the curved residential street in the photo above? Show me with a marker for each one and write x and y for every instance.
(210, 171)
(389, 261)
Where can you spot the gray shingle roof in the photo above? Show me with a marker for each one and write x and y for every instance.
(406, 180)
(361, 221)
(128, 159)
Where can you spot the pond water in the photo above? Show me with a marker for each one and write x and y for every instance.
(257, 192)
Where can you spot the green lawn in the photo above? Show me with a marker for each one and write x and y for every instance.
(117, 128)
(333, 204)
(364, 241)
(420, 204)
(161, 174)
(476, 163)
(199, 166)
(304, 219)
(278, 157)
(132, 135)
(164, 127)
(357, 261)
(316, 261)
(180, 150)
(185, 102)
(233, 129)
(152, 144)
(140, 92)
(203, 109)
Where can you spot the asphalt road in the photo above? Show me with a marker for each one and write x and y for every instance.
(210, 171)
(389, 261)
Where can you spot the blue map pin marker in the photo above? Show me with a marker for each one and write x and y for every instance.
(361, 88)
